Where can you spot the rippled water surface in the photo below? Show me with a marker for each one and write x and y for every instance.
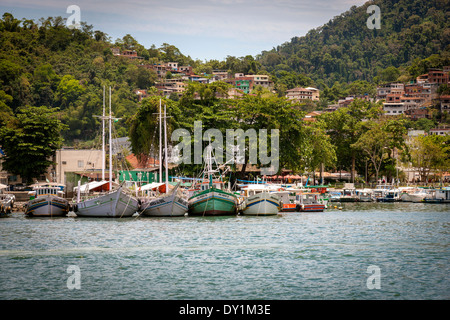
(289, 256)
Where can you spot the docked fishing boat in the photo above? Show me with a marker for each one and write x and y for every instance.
(105, 198)
(6, 201)
(334, 196)
(391, 195)
(440, 195)
(309, 202)
(365, 195)
(260, 201)
(418, 195)
(381, 190)
(98, 199)
(405, 193)
(47, 200)
(287, 200)
(349, 195)
(211, 199)
(170, 204)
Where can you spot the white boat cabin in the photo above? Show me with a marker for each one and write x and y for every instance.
(215, 184)
(308, 198)
(442, 194)
(251, 190)
(45, 191)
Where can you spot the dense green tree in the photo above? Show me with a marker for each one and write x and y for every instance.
(430, 153)
(344, 127)
(30, 142)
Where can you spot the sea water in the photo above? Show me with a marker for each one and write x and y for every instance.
(364, 251)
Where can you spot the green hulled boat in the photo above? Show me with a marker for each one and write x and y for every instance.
(211, 199)
(212, 202)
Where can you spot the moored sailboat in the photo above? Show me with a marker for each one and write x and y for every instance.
(118, 202)
(172, 203)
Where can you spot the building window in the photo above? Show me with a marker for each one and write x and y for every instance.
(80, 163)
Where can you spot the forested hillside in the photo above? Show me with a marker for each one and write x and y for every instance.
(414, 35)
(43, 63)
(46, 64)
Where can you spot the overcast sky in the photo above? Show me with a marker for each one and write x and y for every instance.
(202, 29)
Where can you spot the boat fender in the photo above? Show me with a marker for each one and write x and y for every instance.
(139, 202)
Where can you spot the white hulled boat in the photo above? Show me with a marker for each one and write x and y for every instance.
(365, 195)
(47, 200)
(418, 195)
(439, 195)
(172, 203)
(349, 193)
(109, 202)
(260, 201)
(114, 204)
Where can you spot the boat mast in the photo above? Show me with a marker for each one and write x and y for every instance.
(165, 151)
(160, 144)
(103, 136)
(110, 142)
(209, 163)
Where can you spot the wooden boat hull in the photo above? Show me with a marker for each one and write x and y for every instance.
(167, 206)
(262, 204)
(47, 206)
(417, 197)
(212, 202)
(115, 204)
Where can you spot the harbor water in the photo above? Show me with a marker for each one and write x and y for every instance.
(364, 251)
